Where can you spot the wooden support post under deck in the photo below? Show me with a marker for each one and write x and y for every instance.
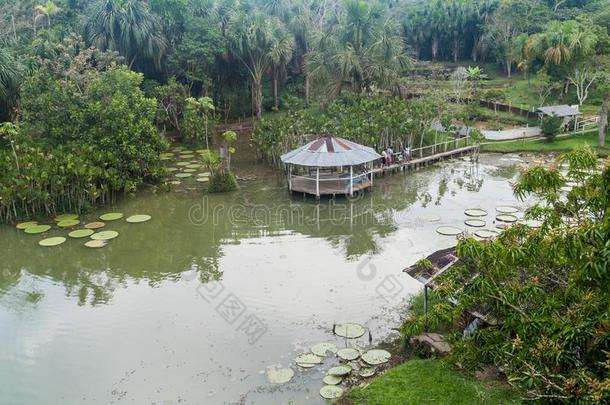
(290, 177)
(317, 182)
(351, 181)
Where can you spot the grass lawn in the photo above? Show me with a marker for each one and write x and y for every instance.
(428, 382)
(562, 144)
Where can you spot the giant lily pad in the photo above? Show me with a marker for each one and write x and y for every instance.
(475, 212)
(477, 223)
(322, 349)
(506, 209)
(54, 241)
(348, 354)
(172, 169)
(205, 174)
(189, 170)
(332, 379)
(25, 225)
(111, 216)
(104, 235)
(449, 230)
(183, 164)
(183, 175)
(67, 223)
(96, 244)
(187, 156)
(135, 219)
(64, 217)
(279, 375)
(486, 233)
(307, 360)
(331, 392)
(349, 330)
(81, 233)
(37, 229)
(203, 179)
(376, 356)
(506, 218)
(367, 372)
(193, 166)
(95, 225)
(343, 369)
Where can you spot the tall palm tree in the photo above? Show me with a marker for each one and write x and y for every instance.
(280, 53)
(128, 27)
(252, 40)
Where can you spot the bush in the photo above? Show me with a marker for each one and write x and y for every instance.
(221, 183)
(550, 127)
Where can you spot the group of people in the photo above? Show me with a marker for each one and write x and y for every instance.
(388, 157)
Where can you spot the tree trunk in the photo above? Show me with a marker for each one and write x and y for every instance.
(456, 50)
(508, 67)
(257, 98)
(276, 100)
(306, 89)
(434, 48)
(603, 121)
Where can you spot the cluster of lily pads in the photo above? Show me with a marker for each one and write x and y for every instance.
(475, 219)
(187, 165)
(353, 359)
(97, 238)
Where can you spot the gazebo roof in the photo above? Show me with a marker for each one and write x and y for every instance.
(330, 151)
(560, 110)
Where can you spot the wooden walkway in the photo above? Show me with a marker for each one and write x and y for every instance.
(417, 163)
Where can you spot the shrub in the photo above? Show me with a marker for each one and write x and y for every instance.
(550, 127)
(221, 183)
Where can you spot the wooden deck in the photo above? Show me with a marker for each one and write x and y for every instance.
(416, 163)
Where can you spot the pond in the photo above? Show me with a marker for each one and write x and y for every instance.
(195, 304)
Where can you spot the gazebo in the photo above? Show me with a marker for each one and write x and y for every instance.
(330, 165)
(565, 112)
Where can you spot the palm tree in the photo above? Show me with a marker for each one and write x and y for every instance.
(10, 74)
(561, 42)
(128, 27)
(362, 48)
(47, 10)
(280, 54)
(252, 40)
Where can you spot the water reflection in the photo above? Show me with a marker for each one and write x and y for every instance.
(188, 232)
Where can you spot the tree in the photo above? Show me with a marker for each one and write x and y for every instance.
(474, 74)
(280, 54)
(128, 27)
(197, 115)
(582, 78)
(603, 117)
(252, 38)
(48, 10)
(459, 79)
(563, 42)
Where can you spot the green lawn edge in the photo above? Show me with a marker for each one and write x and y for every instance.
(429, 381)
(560, 144)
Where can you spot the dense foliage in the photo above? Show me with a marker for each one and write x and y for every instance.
(375, 121)
(547, 288)
(82, 139)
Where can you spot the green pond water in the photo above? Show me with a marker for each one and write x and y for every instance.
(195, 304)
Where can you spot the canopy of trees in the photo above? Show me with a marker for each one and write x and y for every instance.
(256, 55)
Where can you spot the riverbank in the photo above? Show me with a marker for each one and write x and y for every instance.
(434, 381)
(560, 144)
